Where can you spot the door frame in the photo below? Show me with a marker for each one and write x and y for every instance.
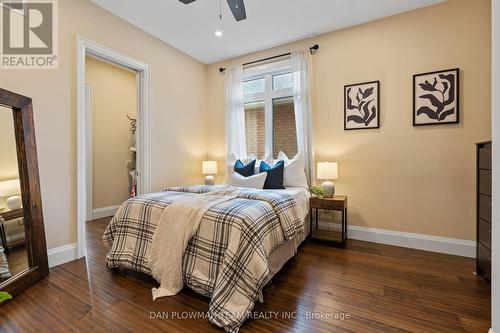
(85, 48)
(89, 135)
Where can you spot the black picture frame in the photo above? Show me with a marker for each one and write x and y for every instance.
(455, 102)
(375, 120)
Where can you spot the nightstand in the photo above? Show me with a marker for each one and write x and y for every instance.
(7, 216)
(337, 203)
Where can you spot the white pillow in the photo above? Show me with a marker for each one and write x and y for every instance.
(245, 160)
(295, 174)
(255, 181)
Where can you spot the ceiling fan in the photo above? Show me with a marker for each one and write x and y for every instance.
(237, 8)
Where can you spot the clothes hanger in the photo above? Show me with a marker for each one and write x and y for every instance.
(133, 123)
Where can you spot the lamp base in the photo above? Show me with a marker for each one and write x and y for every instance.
(209, 180)
(329, 189)
(14, 202)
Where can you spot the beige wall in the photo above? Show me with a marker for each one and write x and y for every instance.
(8, 155)
(398, 177)
(113, 98)
(178, 110)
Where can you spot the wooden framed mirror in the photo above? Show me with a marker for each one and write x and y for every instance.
(23, 260)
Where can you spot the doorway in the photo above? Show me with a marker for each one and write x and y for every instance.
(85, 175)
(111, 106)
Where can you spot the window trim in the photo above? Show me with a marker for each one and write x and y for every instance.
(268, 96)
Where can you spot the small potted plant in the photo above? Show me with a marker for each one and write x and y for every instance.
(4, 296)
(317, 191)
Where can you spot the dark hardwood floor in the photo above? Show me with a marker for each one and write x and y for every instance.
(382, 288)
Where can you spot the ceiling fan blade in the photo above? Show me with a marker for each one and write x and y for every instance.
(187, 1)
(238, 9)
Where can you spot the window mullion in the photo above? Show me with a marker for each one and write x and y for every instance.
(269, 114)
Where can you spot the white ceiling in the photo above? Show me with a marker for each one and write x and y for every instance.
(190, 28)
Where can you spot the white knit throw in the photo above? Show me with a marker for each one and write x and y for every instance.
(177, 225)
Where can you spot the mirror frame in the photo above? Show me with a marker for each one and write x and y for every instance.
(36, 247)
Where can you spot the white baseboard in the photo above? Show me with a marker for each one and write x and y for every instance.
(99, 213)
(459, 247)
(62, 254)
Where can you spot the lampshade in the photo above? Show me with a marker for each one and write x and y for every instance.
(209, 167)
(327, 170)
(10, 187)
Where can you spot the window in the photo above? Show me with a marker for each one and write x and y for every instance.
(282, 81)
(269, 110)
(254, 86)
(284, 129)
(255, 128)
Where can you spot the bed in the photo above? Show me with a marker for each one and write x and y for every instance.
(239, 246)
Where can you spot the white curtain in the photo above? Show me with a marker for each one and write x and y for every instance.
(235, 113)
(302, 98)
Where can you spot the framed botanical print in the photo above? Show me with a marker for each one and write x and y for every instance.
(361, 106)
(435, 98)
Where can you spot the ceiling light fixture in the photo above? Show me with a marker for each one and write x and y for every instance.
(237, 8)
(218, 32)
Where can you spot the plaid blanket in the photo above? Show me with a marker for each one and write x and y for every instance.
(226, 259)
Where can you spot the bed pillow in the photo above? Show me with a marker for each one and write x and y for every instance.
(274, 179)
(232, 159)
(246, 170)
(256, 181)
(268, 159)
(295, 174)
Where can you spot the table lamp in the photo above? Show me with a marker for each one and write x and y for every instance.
(10, 189)
(209, 168)
(328, 171)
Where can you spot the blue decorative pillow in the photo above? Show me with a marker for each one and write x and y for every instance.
(245, 170)
(274, 180)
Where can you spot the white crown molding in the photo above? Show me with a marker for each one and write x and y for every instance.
(459, 247)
